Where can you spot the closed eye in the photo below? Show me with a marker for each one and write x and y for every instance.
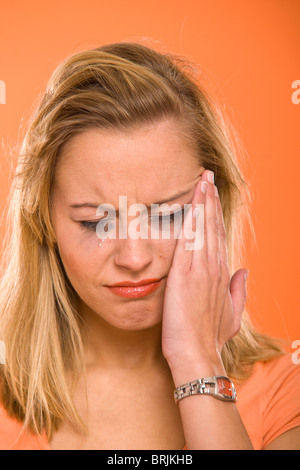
(88, 225)
(168, 216)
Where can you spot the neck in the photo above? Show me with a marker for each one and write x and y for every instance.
(109, 347)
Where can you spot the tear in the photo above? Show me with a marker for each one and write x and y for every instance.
(102, 240)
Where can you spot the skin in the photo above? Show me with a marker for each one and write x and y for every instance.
(132, 344)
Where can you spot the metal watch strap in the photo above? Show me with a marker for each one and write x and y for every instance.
(218, 387)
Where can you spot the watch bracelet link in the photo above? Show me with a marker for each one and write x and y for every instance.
(219, 387)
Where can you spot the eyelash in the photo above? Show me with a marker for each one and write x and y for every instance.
(92, 225)
(172, 216)
(88, 225)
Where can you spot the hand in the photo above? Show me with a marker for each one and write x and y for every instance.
(203, 305)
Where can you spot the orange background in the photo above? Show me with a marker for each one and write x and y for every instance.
(249, 52)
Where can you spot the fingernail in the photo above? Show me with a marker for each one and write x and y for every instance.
(246, 275)
(211, 177)
(216, 191)
(203, 186)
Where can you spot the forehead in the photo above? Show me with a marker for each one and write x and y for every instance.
(150, 159)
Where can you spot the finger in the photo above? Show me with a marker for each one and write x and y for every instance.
(198, 246)
(187, 235)
(183, 257)
(212, 235)
(223, 249)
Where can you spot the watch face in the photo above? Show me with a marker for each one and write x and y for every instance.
(225, 387)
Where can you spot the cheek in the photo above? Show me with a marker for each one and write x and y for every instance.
(166, 250)
(79, 260)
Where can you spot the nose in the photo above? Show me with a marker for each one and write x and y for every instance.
(134, 255)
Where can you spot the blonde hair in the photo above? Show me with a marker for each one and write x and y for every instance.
(114, 86)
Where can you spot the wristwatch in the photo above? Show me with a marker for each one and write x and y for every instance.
(218, 387)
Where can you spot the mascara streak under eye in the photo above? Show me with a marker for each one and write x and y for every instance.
(88, 225)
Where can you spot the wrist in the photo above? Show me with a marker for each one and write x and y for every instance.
(188, 369)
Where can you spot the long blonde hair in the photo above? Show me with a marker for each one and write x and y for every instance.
(114, 86)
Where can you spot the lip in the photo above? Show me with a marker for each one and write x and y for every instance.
(130, 289)
(143, 282)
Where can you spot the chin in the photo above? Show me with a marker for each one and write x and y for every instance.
(139, 325)
(131, 320)
(130, 316)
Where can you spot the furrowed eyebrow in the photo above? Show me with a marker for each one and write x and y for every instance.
(170, 199)
(94, 206)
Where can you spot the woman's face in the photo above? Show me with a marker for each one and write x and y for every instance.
(148, 165)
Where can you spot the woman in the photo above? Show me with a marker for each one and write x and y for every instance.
(99, 329)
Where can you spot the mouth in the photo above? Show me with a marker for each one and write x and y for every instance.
(130, 289)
